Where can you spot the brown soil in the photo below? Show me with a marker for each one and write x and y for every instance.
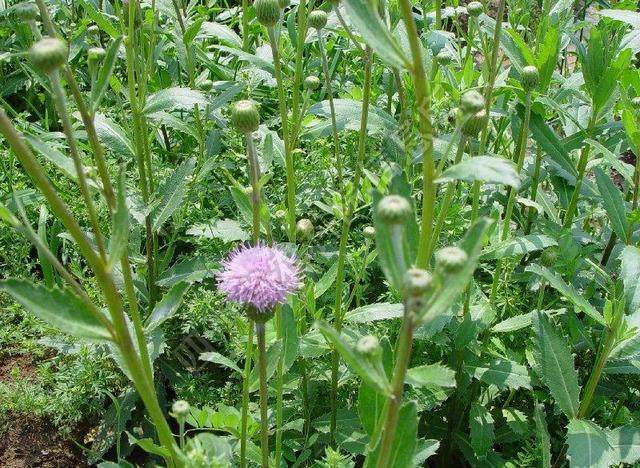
(29, 441)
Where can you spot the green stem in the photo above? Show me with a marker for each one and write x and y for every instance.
(245, 397)
(279, 388)
(535, 181)
(423, 103)
(254, 177)
(262, 367)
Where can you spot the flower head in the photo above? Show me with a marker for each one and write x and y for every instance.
(260, 276)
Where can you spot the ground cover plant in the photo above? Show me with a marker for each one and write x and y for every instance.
(295, 233)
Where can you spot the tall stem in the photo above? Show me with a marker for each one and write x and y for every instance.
(535, 181)
(245, 397)
(423, 102)
(262, 367)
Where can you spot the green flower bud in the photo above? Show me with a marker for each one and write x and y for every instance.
(280, 214)
(369, 346)
(530, 77)
(444, 58)
(474, 123)
(475, 9)
(180, 409)
(317, 19)
(304, 229)
(418, 282)
(48, 54)
(453, 114)
(267, 12)
(636, 102)
(284, 3)
(312, 83)
(26, 11)
(245, 116)
(96, 54)
(206, 85)
(93, 30)
(549, 257)
(471, 102)
(394, 209)
(369, 232)
(451, 259)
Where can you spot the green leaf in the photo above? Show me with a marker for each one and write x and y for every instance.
(273, 355)
(425, 448)
(625, 442)
(613, 204)
(290, 341)
(372, 375)
(481, 426)
(60, 308)
(568, 291)
(101, 19)
(627, 16)
(487, 169)
(630, 273)
(374, 312)
(404, 441)
(502, 373)
(588, 445)
(326, 280)
(120, 224)
(547, 58)
(191, 270)
(113, 137)
(192, 31)
(542, 435)
(366, 20)
(168, 306)
(218, 358)
(227, 230)
(221, 32)
(518, 246)
(370, 406)
(45, 264)
(431, 374)
(520, 321)
(553, 149)
(171, 193)
(173, 99)
(101, 84)
(556, 365)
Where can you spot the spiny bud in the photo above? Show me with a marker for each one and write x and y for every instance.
(453, 114)
(369, 346)
(26, 11)
(369, 232)
(312, 83)
(394, 209)
(94, 30)
(245, 116)
(471, 102)
(317, 19)
(530, 77)
(48, 54)
(206, 85)
(180, 409)
(474, 123)
(451, 259)
(304, 229)
(418, 281)
(549, 256)
(267, 12)
(284, 3)
(636, 102)
(96, 54)
(475, 9)
(444, 58)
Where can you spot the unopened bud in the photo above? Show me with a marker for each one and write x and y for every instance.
(206, 85)
(418, 281)
(369, 232)
(96, 54)
(475, 9)
(267, 12)
(394, 209)
(549, 256)
(312, 83)
(48, 54)
(444, 58)
(317, 19)
(474, 123)
(93, 30)
(304, 229)
(530, 77)
(180, 409)
(280, 214)
(471, 102)
(26, 11)
(451, 259)
(369, 346)
(636, 102)
(245, 116)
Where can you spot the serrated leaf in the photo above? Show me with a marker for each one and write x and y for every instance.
(221, 32)
(520, 321)
(568, 291)
(168, 306)
(191, 270)
(518, 246)
(404, 441)
(173, 99)
(171, 193)
(106, 69)
(556, 365)
(481, 430)
(60, 308)
(326, 280)
(113, 137)
(227, 230)
(630, 273)
(613, 204)
(487, 169)
(625, 442)
(588, 445)
(542, 435)
(431, 374)
(502, 373)
(374, 312)
(218, 358)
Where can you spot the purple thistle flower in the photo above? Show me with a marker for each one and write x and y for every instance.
(261, 276)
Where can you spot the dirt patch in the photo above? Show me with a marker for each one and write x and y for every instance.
(28, 441)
